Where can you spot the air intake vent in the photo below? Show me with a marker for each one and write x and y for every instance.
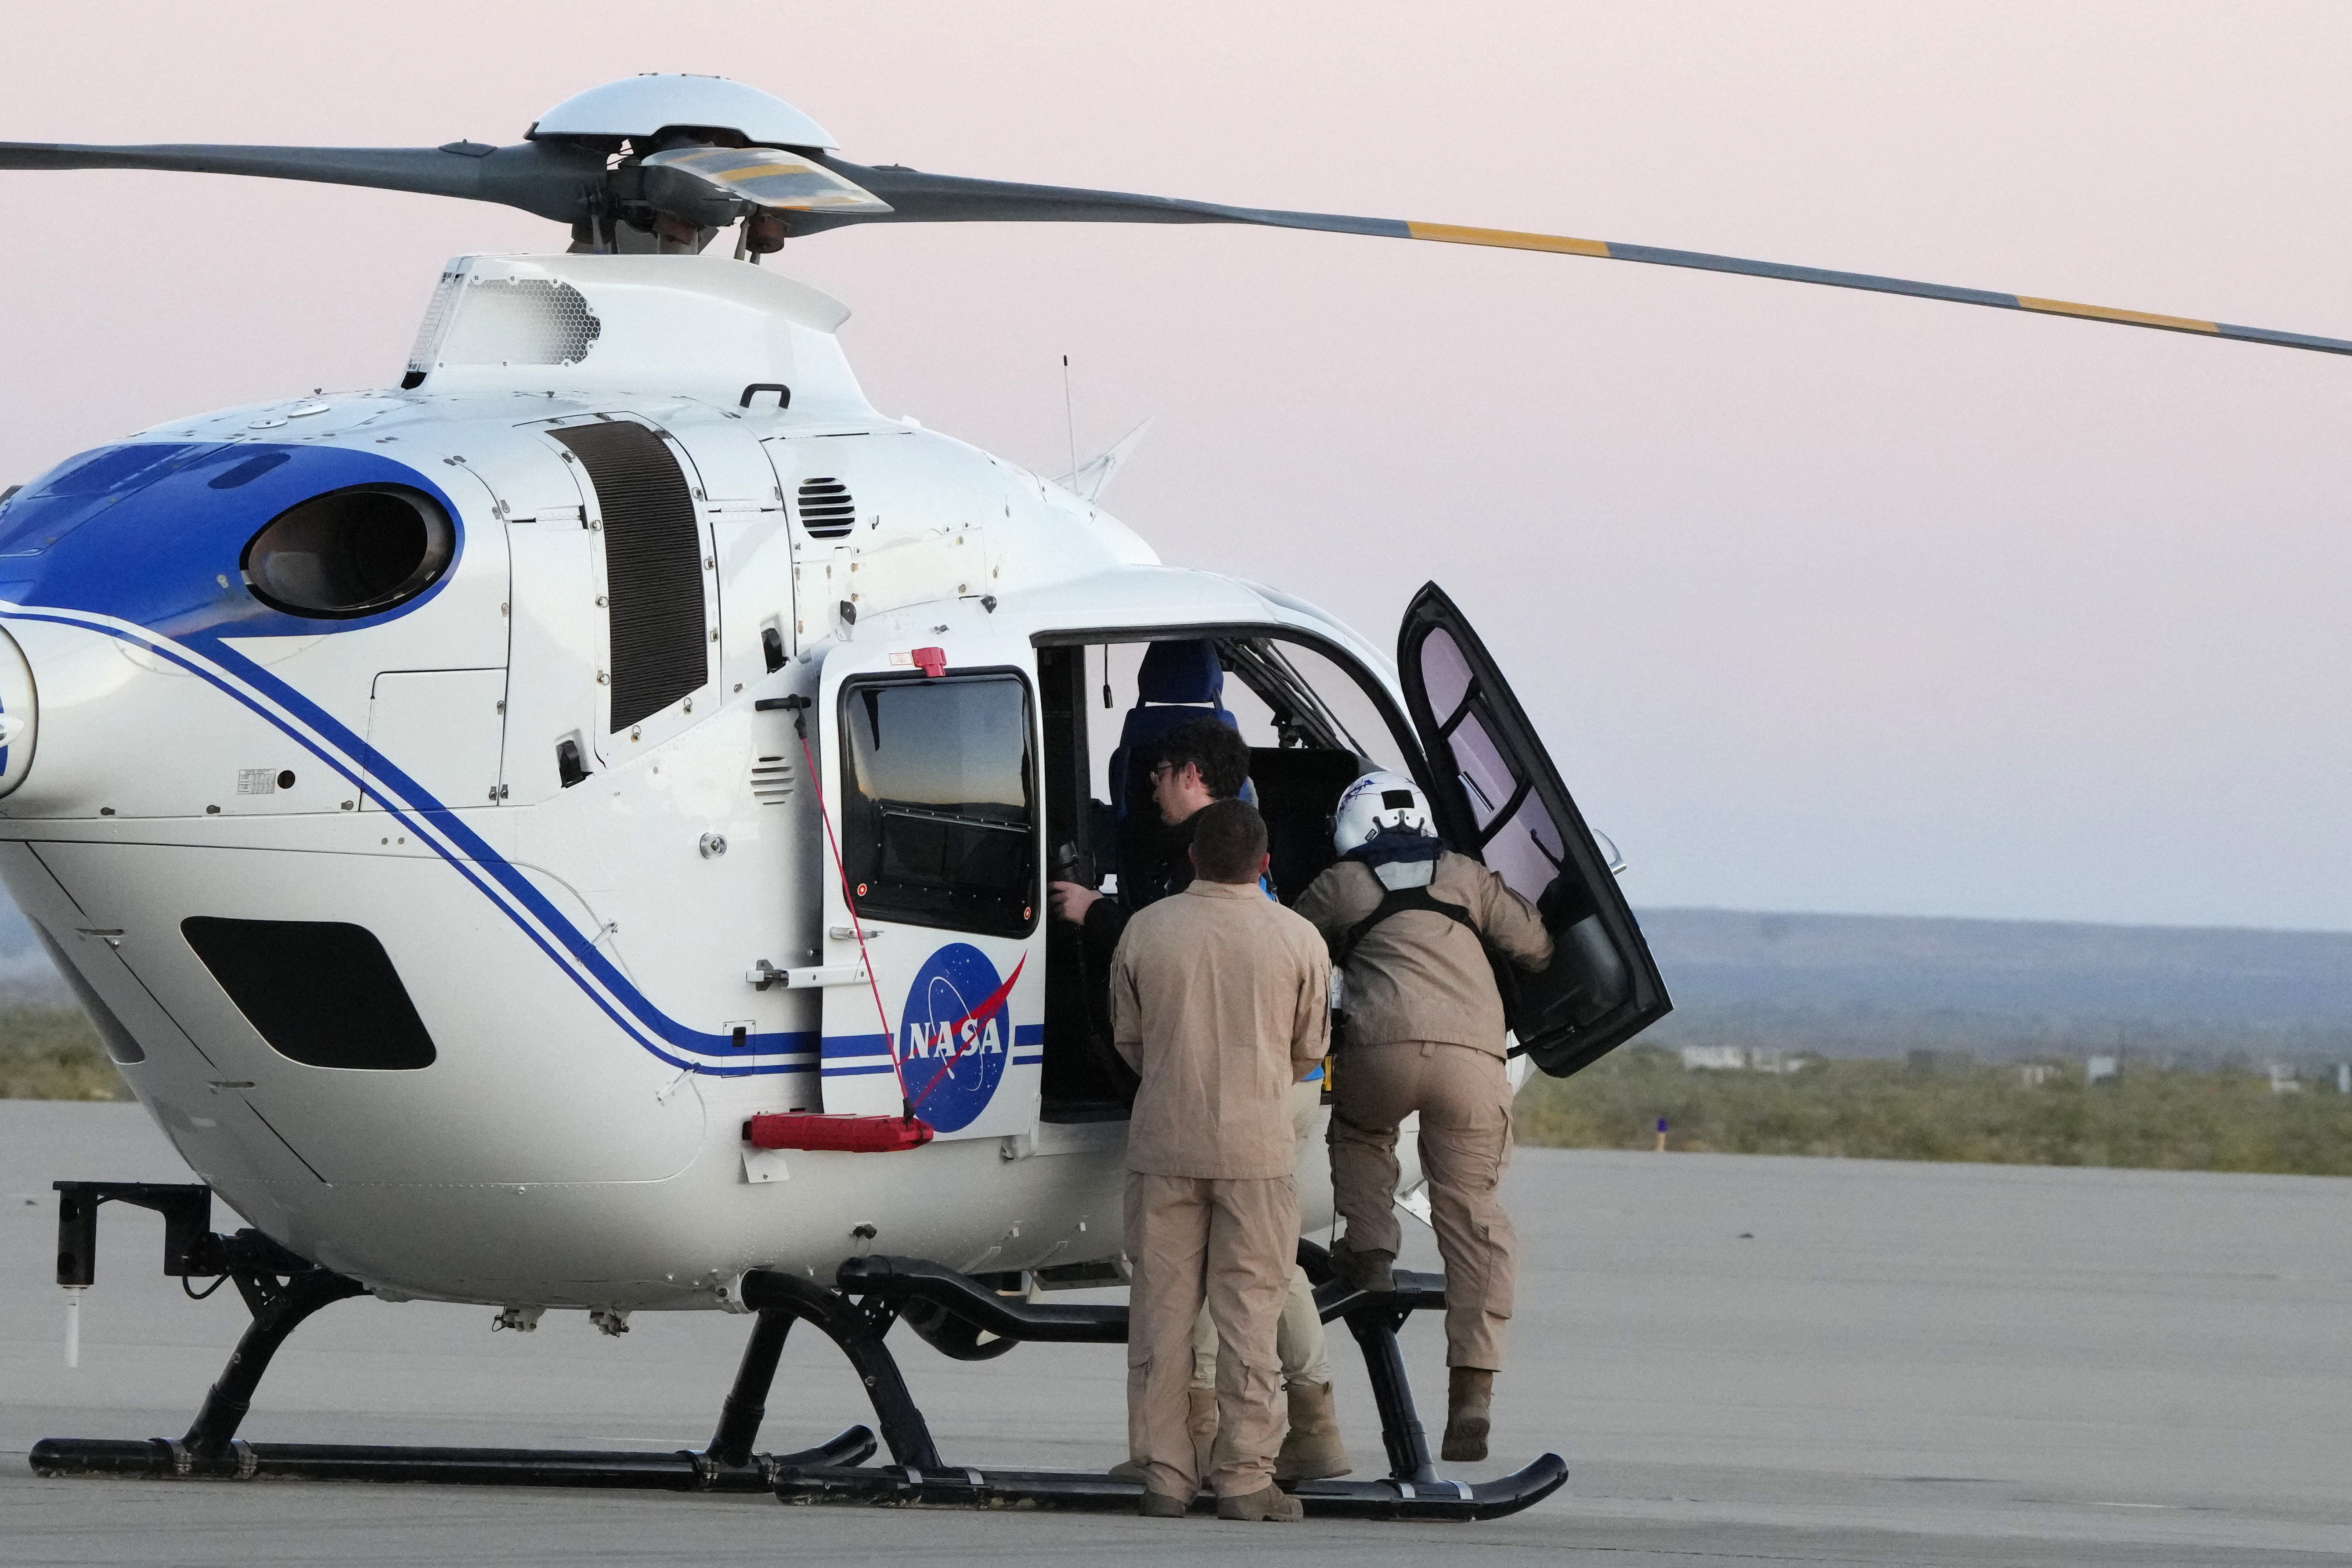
(827, 510)
(653, 566)
(321, 992)
(772, 780)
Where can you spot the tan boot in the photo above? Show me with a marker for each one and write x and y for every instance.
(1311, 1451)
(1469, 1390)
(1159, 1505)
(1272, 1506)
(1373, 1272)
(1201, 1420)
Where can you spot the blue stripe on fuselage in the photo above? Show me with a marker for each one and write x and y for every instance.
(159, 545)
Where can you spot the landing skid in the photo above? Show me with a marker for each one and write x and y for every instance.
(896, 1486)
(956, 1315)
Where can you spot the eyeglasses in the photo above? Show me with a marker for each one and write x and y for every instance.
(1160, 771)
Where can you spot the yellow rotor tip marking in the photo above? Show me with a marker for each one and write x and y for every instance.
(2103, 313)
(1509, 239)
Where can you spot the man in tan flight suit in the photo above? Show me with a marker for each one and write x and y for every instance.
(1312, 1449)
(1192, 767)
(1220, 1002)
(1426, 1032)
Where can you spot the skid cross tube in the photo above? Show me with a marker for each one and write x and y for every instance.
(1374, 1321)
(746, 1404)
(857, 1329)
(1401, 1429)
(899, 1280)
(277, 1312)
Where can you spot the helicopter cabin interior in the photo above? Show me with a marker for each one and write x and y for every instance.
(1313, 727)
(944, 782)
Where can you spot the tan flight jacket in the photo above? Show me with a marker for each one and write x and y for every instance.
(1219, 997)
(1417, 975)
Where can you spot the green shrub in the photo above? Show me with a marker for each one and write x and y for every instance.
(52, 1053)
(1946, 1108)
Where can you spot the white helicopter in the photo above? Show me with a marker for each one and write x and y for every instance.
(616, 776)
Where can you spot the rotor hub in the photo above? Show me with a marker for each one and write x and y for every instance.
(637, 108)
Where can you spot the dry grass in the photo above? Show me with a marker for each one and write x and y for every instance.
(2172, 1119)
(52, 1053)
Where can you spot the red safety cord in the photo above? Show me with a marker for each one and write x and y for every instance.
(856, 921)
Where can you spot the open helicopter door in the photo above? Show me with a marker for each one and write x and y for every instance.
(1498, 797)
(930, 776)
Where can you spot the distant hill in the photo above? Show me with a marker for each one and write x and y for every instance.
(1877, 985)
(1882, 985)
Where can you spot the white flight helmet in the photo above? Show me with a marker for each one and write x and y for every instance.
(1376, 801)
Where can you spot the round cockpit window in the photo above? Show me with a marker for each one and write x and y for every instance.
(350, 552)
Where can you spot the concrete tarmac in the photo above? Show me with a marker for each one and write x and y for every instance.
(1742, 1359)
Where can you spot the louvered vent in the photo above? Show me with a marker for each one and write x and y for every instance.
(827, 510)
(772, 780)
(653, 566)
(507, 321)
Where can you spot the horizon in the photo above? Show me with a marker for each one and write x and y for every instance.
(1641, 907)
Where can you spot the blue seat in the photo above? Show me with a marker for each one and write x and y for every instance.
(1179, 682)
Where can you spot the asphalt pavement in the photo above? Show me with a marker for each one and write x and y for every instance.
(1742, 1360)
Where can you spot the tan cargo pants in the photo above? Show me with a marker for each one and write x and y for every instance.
(1464, 1096)
(1234, 1243)
(1298, 1339)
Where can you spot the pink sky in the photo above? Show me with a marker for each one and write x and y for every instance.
(1826, 601)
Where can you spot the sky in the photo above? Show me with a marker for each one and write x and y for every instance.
(1824, 600)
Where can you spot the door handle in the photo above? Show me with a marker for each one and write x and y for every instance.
(763, 974)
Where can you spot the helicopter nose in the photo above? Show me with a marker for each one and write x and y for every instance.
(19, 714)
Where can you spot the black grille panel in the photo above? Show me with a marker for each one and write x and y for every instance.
(828, 508)
(653, 566)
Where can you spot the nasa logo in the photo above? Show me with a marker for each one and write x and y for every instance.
(956, 1034)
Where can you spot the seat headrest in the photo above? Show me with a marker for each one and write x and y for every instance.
(1183, 671)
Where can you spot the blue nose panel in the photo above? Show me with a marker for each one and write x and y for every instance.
(152, 532)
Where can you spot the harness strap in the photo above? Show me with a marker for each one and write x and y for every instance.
(1396, 902)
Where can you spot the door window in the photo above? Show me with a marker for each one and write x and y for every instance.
(1515, 833)
(940, 819)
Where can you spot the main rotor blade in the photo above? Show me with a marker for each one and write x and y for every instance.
(918, 197)
(549, 180)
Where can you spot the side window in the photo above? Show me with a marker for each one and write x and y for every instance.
(939, 814)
